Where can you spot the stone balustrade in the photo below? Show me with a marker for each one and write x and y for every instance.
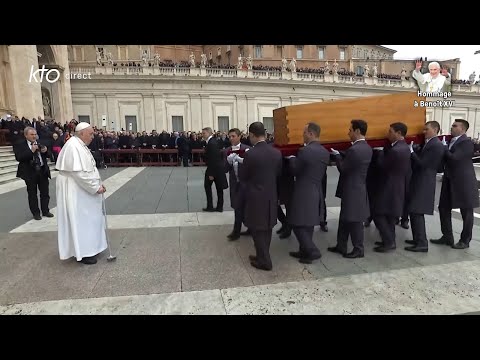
(256, 74)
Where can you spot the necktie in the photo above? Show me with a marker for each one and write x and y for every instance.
(451, 143)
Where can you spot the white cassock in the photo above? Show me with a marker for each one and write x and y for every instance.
(427, 84)
(81, 225)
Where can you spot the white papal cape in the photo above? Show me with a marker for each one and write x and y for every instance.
(81, 225)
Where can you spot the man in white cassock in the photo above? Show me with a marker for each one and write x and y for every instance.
(437, 80)
(81, 225)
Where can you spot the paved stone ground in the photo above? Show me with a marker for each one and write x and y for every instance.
(172, 259)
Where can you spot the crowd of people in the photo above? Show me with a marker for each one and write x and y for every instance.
(54, 135)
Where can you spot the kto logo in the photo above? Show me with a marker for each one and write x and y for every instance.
(51, 75)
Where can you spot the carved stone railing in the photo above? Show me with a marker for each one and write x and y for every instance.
(96, 71)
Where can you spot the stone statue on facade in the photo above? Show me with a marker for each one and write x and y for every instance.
(326, 69)
(203, 60)
(145, 59)
(375, 70)
(249, 63)
(99, 58)
(284, 64)
(240, 62)
(335, 67)
(156, 59)
(472, 78)
(109, 58)
(366, 70)
(293, 65)
(192, 60)
(403, 75)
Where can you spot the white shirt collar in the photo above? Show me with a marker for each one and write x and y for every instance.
(427, 140)
(354, 142)
(236, 147)
(209, 138)
(455, 138)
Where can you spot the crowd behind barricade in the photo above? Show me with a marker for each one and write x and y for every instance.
(54, 135)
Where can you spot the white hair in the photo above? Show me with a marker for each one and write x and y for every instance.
(433, 63)
(28, 129)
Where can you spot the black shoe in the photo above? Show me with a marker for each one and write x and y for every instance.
(246, 233)
(208, 209)
(379, 243)
(296, 254)
(442, 241)
(397, 221)
(252, 258)
(324, 228)
(354, 254)
(233, 236)
(411, 242)
(367, 223)
(282, 229)
(285, 234)
(383, 249)
(416, 248)
(257, 265)
(37, 217)
(219, 209)
(335, 249)
(404, 224)
(48, 214)
(309, 259)
(89, 260)
(460, 245)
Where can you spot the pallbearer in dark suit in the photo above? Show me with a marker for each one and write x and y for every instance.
(33, 169)
(352, 189)
(459, 186)
(215, 172)
(303, 212)
(394, 163)
(233, 165)
(262, 166)
(421, 194)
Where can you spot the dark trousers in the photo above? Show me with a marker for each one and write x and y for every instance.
(304, 236)
(352, 229)
(261, 240)
(419, 233)
(281, 215)
(324, 186)
(386, 226)
(184, 157)
(405, 212)
(446, 216)
(208, 191)
(239, 213)
(39, 181)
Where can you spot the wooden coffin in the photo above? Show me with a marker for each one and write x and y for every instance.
(334, 119)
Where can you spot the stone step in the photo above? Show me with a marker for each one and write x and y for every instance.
(10, 176)
(5, 164)
(6, 149)
(8, 169)
(7, 157)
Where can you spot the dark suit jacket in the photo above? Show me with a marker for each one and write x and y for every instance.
(352, 184)
(24, 156)
(421, 194)
(215, 162)
(236, 190)
(394, 164)
(262, 166)
(459, 170)
(309, 169)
